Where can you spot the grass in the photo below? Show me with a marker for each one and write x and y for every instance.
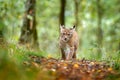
(11, 63)
(12, 58)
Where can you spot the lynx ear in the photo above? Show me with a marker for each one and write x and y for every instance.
(74, 27)
(62, 27)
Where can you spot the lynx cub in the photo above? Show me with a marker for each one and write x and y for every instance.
(68, 42)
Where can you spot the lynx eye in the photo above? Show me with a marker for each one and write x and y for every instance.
(69, 34)
(63, 33)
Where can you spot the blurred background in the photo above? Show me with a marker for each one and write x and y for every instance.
(35, 24)
(31, 27)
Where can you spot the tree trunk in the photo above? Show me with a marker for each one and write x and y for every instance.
(1, 36)
(28, 31)
(99, 29)
(119, 46)
(1, 31)
(62, 12)
(119, 22)
(76, 2)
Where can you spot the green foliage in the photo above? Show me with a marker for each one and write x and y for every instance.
(12, 56)
(8, 69)
(47, 16)
(12, 60)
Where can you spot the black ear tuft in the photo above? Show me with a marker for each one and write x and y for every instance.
(74, 26)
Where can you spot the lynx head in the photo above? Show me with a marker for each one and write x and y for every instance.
(66, 34)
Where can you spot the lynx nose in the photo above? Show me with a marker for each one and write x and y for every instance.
(65, 38)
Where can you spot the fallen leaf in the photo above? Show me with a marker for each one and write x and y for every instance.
(75, 66)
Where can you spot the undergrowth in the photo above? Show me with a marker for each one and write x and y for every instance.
(12, 58)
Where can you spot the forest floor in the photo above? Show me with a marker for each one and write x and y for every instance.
(28, 65)
(71, 69)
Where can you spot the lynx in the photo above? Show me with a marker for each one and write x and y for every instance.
(68, 42)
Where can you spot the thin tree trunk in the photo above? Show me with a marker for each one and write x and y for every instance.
(28, 31)
(118, 22)
(1, 36)
(62, 12)
(99, 33)
(76, 2)
(99, 29)
(119, 46)
(1, 31)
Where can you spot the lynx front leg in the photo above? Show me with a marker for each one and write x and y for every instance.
(70, 54)
(63, 54)
(74, 54)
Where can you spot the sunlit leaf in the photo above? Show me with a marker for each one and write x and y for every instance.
(75, 66)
